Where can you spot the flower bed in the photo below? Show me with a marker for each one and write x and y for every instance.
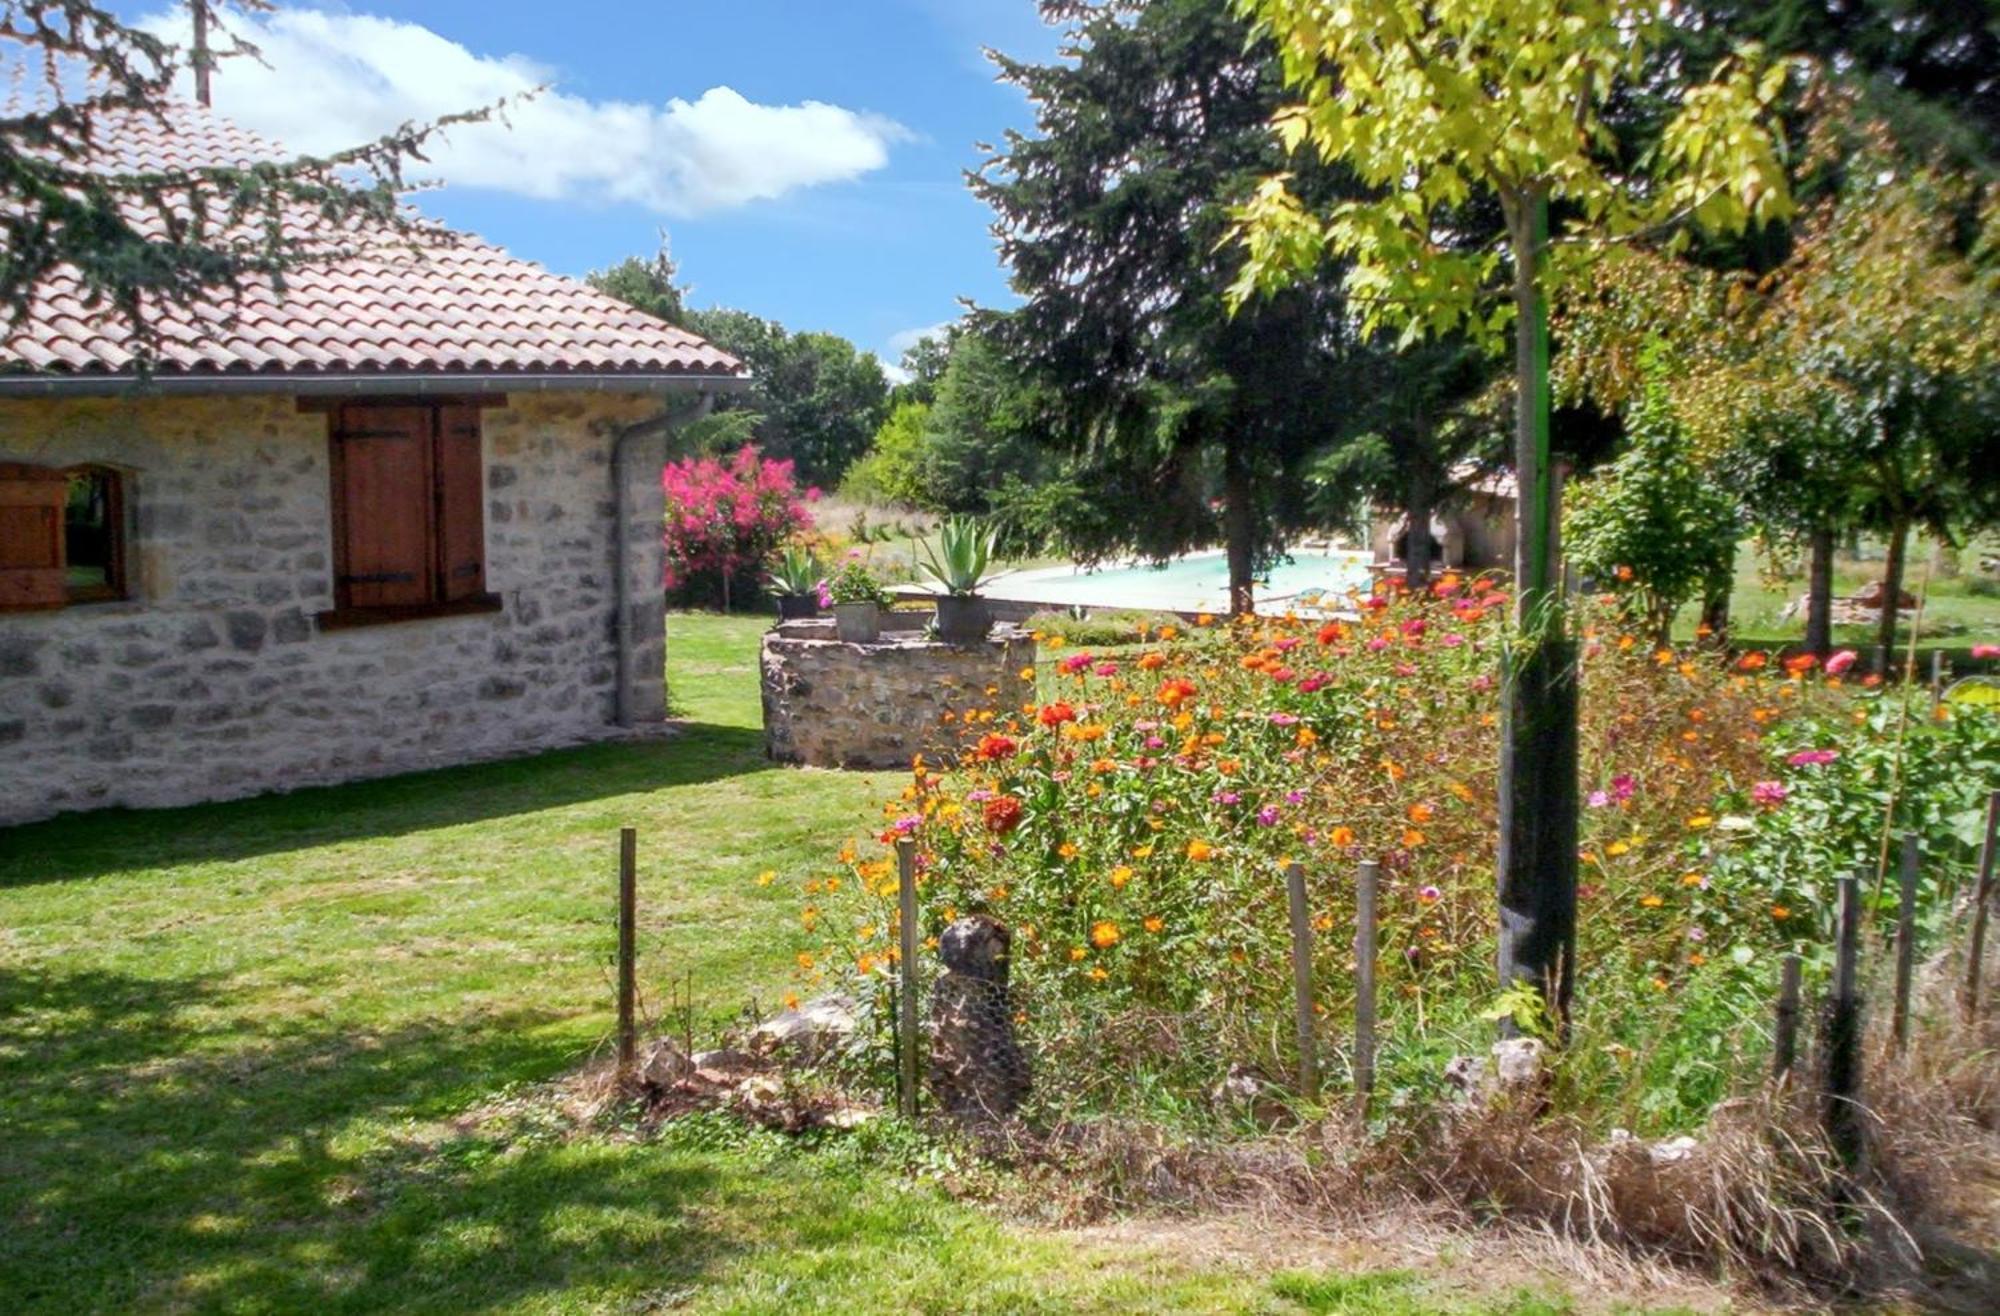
(1132, 824)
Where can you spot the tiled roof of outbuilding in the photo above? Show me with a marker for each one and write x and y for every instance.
(446, 304)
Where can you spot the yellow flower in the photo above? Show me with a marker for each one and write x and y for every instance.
(767, 877)
(791, 1000)
(1200, 851)
(1077, 953)
(1104, 934)
(1690, 879)
(805, 959)
(1067, 850)
(1700, 821)
(1097, 974)
(1616, 848)
(1652, 902)
(1142, 852)
(1120, 875)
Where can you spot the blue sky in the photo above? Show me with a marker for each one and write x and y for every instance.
(822, 187)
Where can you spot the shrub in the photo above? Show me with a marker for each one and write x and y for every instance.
(725, 518)
(1132, 830)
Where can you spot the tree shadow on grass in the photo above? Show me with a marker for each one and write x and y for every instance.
(118, 840)
(146, 1162)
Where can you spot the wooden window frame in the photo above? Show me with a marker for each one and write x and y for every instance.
(117, 573)
(345, 615)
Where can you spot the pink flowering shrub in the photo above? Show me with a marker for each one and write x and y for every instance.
(725, 518)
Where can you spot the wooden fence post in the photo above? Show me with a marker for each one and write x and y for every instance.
(906, 1013)
(1364, 984)
(1785, 1044)
(1982, 896)
(1937, 678)
(1302, 980)
(628, 938)
(1906, 942)
(1842, 1047)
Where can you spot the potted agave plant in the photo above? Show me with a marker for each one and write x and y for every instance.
(795, 579)
(857, 598)
(958, 563)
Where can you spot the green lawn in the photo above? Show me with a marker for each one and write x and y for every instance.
(233, 1038)
(1959, 609)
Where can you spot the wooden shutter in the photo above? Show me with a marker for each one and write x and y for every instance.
(32, 571)
(383, 537)
(461, 502)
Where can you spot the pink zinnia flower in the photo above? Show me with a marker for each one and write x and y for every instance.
(1623, 787)
(1598, 799)
(1986, 651)
(1268, 816)
(1812, 758)
(1840, 662)
(1768, 794)
(1429, 894)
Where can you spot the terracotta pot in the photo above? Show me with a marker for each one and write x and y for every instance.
(963, 618)
(858, 623)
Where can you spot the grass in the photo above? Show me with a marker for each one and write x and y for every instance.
(1959, 609)
(233, 1039)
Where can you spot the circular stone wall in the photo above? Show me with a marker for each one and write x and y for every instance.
(835, 705)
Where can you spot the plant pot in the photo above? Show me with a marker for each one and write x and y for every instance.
(797, 607)
(963, 618)
(858, 623)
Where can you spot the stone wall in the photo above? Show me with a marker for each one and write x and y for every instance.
(214, 681)
(834, 705)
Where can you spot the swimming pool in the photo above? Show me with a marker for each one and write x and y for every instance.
(1198, 582)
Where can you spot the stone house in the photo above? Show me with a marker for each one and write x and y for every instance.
(405, 515)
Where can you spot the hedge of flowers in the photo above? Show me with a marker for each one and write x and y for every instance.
(1131, 828)
(726, 516)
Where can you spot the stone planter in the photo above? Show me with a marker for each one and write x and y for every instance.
(797, 607)
(963, 618)
(858, 623)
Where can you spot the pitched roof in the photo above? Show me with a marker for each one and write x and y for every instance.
(441, 304)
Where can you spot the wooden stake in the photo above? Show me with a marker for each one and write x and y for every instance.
(1364, 983)
(1906, 943)
(1982, 897)
(906, 1012)
(1841, 1112)
(1785, 1043)
(1937, 678)
(628, 940)
(1302, 981)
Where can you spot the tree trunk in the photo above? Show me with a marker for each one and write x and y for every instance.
(1819, 593)
(1417, 552)
(1538, 736)
(1238, 528)
(1715, 616)
(1892, 590)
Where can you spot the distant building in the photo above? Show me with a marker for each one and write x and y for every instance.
(1473, 526)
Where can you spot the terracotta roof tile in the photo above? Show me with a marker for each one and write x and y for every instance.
(447, 303)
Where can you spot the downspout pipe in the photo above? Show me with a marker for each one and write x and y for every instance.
(623, 450)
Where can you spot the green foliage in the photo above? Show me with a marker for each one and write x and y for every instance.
(891, 472)
(820, 398)
(958, 560)
(1499, 98)
(645, 284)
(1653, 527)
(796, 573)
(1176, 424)
(854, 582)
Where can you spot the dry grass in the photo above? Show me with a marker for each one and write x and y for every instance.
(1758, 1198)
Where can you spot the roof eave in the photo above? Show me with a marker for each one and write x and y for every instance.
(373, 382)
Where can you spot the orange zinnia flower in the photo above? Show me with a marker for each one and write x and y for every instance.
(1200, 851)
(1155, 923)
(1104, 934)
(1341, 836)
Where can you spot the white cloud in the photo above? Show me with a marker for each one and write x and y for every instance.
(905, 339)
(334, 80)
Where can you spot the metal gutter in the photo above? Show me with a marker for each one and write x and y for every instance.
(414, 385)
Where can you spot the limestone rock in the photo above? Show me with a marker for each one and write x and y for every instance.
(808, 1031)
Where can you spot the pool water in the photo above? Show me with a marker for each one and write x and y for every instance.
(1196, 583)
